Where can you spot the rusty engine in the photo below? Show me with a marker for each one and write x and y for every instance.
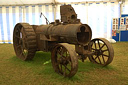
(60, 38)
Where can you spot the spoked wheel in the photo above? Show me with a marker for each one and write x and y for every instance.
(64, 60)
(103, 52)
(24, 41)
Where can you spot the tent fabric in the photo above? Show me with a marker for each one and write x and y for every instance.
(97, 15)
(11, 15)
(125, 8)
(24, 2)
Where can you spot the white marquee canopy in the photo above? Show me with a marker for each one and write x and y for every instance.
(23, 2)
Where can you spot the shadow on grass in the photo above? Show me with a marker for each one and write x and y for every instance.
(83, 69)
(39, 59)
(37, 64)
(88, 66)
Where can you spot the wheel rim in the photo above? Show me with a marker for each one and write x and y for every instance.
(19, 38)
(64, 62)
(103, 52)
(24, 48)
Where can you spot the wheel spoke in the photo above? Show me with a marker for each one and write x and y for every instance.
(64, 71)
(91, 44)
(69, 61)
(58, 61)
(103, 59)
(66, 54)
(99, 44)
(18, 29)
(102, 46)
(104, 50)
(95, 45)
(95, 57)
(17, 36)
(18, 46)
(67, 68)
(99, 60)
(61, 68)
(93, 49)
(59, 51)
(64, 51)
(20, 54)
(105, 55)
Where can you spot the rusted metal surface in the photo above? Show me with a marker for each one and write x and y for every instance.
(24, 41)
(56, 37)
(103, 51)
(68, 15)
(70, 33)
(64, 60)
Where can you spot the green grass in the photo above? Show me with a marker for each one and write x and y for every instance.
(14, 71)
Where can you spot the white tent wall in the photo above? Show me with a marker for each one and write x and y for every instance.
(97, 15)
(11, 15)
(125, 7)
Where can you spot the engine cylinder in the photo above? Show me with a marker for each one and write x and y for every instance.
(70, 33)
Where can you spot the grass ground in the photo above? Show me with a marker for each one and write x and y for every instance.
(14, 71)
